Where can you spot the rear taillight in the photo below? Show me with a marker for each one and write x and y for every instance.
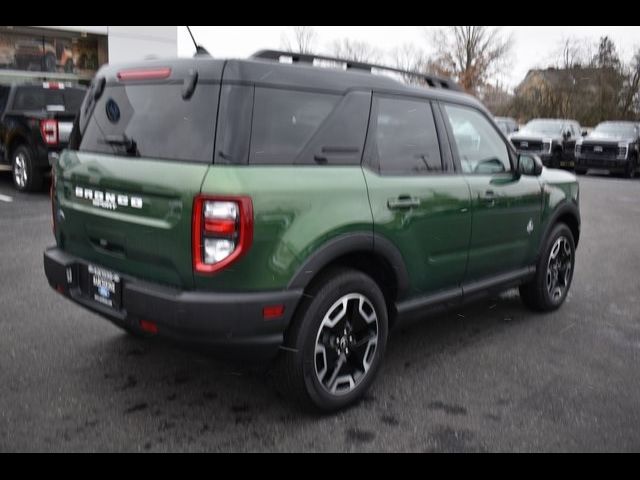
(222, 231)
(53, 85)
(49, 131)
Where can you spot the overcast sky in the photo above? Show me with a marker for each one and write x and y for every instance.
(534, 46)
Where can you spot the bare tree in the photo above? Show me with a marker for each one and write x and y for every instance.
(356, 51)
(471, 54)
(301, 40)
(410, 58)
(572, 52)
(631, 91)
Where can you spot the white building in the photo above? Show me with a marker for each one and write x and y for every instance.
(75, 53)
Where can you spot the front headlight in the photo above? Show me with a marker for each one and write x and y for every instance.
(623, 150)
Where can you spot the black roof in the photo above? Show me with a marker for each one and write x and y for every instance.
(266, 72)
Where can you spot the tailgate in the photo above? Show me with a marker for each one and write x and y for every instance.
(130, 216)
(139, 150)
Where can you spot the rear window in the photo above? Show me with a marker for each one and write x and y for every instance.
(153, 121)
(38, 98)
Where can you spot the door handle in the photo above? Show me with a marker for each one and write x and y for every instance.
(403, 202)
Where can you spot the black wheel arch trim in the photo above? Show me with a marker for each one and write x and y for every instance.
(352, 243)
(566, 208)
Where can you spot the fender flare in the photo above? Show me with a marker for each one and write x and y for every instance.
(565, 208)
(352, 243)
(13, 139)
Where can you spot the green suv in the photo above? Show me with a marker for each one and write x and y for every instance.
(288, 212)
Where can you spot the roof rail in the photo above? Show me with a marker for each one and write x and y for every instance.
(431, 80)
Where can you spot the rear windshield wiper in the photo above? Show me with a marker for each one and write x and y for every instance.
(129, 144)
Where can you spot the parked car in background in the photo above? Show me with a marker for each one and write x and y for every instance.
(46, 56)
(35, 123)
(507, 125)
(612, 146)
(554, 140)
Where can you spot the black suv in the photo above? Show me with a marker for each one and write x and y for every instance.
(612, 146)
(35, 123)
(554, 140)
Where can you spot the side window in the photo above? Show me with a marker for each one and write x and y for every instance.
(480, 147)
(405, 140)
(284, 121)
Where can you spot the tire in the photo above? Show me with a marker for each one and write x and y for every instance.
(342, 325)
(549, 288)
(26, 176)
(630, 170)
(50, 63)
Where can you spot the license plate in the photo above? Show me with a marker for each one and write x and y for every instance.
(105, 287)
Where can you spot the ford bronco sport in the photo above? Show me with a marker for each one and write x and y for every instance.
(295, 213)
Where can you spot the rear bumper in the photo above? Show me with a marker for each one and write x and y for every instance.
(613, 165)
(229, 324)
(45, 156)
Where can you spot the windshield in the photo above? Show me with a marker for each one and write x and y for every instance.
(615, 130)
(544, 127)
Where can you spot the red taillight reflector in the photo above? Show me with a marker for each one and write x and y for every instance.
(224, 227)
(272, 312)
(144, 74)
(49, 131)
(60, 289)
(148, 327)
(53, 85)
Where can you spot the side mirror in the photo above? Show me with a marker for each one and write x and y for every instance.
(584, 133)
(530, 165)
(566, 135)
(516, 129)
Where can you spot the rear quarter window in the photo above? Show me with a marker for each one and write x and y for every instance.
(284, 121)
(156, 118)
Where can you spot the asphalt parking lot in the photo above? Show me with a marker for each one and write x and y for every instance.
(491, 377)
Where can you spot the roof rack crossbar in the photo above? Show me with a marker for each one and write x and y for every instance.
(432, 81)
